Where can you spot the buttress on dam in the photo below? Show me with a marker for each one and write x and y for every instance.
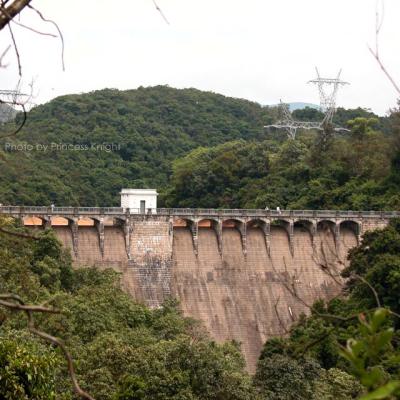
(246, 274)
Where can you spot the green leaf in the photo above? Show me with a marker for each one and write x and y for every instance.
(384, 338)
(378, 318)
(383, 392)
(372, 377)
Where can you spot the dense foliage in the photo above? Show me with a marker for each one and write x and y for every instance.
(200, 150)
(146, 130)
(123, 350)
(218, 176)
(358, 171)
(369, 315)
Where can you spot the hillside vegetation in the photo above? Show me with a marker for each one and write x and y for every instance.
(357, 172)
(125, 351)
(356, 334)
(150, 127)
(198, 149)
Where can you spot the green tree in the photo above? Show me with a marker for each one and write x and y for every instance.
(377, 260)
(355, 336)
(122, 350)
(26, 368)
(212, 177)
(368, 352)
(336, 384)
(360, 127)
(281, 377)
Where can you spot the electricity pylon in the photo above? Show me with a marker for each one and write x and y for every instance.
(328, 99)
(327, 106)
(10, 100)
(289, 124)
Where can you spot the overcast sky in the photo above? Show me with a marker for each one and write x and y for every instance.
(261, 50)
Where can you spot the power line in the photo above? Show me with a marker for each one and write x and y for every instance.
(327, 106)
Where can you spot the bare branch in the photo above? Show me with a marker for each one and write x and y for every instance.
(290, 288)
(11, 11)
(16, 51)
(3, 10)
(17, 304)
(18, 234)
(2, 57)
(394, 313)
(325, 265)
(392, 81)
(279, 317)
(58, 29)
(378, 303)
(160, 11)
(379, 18)
(21, 307)
(33, 29)
(302, 351)
(21, 125)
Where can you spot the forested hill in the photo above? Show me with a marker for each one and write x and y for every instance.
(200, 149)
(150, 127)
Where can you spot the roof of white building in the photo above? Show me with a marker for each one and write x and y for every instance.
(139, 191)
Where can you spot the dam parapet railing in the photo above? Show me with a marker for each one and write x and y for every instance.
(200, 212)
(131, 220)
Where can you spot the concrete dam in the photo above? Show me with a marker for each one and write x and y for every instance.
(246, 274)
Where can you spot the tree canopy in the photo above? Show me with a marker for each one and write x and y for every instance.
(353, 336)
(198, 149)
(122, 350)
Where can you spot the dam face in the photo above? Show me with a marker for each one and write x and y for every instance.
(247, 278)
(252, 298)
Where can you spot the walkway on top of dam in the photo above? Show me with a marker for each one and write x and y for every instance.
(195, 212)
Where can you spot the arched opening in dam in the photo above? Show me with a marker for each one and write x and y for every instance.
(114, 254)
(88, 249)
(233, 243)
(92, 241)
(62, 229)
(34, 222)
(350, 232)
(258, 246)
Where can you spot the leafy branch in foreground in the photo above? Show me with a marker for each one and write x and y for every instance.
(14, 302)
(366, 352)
(354, 338)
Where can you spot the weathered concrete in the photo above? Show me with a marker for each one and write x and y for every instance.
(247, 274)
(151, 258)
(258, 296)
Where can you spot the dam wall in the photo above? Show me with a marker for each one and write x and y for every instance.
(252, 298)
(246, 276)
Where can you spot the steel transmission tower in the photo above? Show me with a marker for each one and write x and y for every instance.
(328, 99)
(289, 124)
(327, 105)
(10, 100)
